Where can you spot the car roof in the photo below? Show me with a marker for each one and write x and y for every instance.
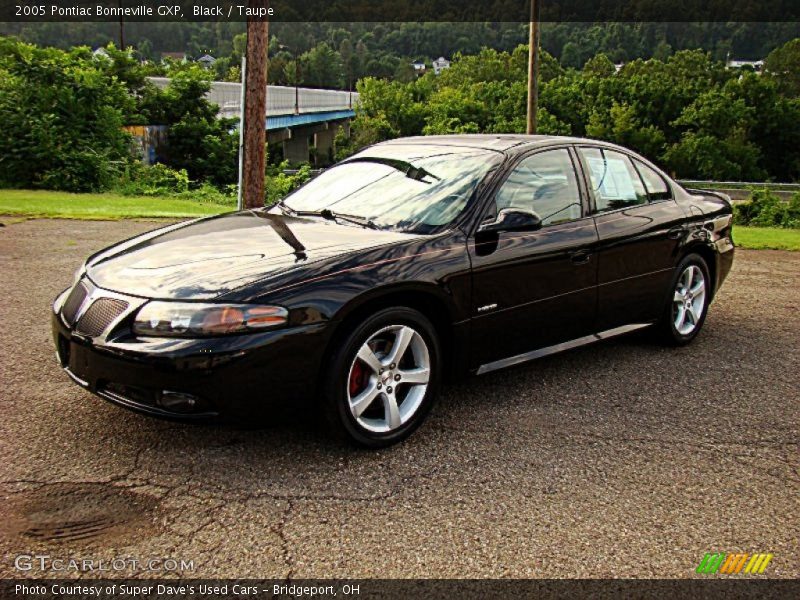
(500, 141)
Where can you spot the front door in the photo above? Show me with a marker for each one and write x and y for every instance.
(535, 289)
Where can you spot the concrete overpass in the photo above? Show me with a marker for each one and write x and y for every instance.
(295, 116)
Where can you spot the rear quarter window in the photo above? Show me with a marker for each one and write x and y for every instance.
(656, 186)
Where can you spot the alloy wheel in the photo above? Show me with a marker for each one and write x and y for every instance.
(689, 300)
(388, 378)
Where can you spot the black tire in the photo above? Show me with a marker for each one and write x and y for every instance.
(666, 329)
(337, 378)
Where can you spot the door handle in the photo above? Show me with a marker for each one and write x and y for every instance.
(580, 257)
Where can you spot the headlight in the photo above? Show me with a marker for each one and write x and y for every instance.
(189, 319)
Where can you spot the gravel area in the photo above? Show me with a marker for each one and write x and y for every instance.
(623, 459)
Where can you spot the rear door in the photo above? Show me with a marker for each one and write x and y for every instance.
(639, 226)
(536, 288)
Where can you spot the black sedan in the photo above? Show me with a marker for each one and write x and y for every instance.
(413, 261)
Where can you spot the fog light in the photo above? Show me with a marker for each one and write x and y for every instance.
(178, 402)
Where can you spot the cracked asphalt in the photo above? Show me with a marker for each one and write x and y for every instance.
(623, 459)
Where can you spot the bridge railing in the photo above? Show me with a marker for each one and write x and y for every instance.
(281, 100)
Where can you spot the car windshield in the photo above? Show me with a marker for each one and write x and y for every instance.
(416, 189)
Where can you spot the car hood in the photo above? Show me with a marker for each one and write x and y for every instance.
(210, 257)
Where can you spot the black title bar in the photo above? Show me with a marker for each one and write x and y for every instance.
(368, 589)
(400, 10)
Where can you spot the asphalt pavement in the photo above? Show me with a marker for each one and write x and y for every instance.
(623, 459)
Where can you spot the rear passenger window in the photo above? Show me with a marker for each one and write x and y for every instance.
(657, 188)
(614, 181)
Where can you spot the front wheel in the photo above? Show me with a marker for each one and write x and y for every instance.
(686, 309)
(383, 378)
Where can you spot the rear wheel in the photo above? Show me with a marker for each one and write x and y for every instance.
(383, 378)
(686, 309)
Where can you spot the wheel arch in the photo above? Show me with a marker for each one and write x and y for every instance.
(427, 300)
(709, 255)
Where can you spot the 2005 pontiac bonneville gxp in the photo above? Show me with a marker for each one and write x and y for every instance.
(414, 260)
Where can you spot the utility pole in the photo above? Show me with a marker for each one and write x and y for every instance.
(239, 195)
(121, 28)
(533, 67)
(255, 108)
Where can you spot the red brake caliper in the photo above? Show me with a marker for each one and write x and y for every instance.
(356, 378)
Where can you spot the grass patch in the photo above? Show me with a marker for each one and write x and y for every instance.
(766, 238)
(63, 205)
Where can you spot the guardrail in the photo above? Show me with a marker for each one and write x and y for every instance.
(739, 191)
(740, 184)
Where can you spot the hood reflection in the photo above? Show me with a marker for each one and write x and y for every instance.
(214, 256)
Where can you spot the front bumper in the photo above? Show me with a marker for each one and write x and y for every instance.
(237, 376)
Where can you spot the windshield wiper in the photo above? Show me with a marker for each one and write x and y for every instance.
(409, 170)
(285, 208)
(327, 213)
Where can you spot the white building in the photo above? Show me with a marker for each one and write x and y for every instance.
(207, 61)
(756, 65)
(440, 64)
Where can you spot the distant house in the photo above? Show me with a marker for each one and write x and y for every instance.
(207, 61)
(755, 65)
(440, 64)
(101, 53)
(618, 67)
(419, 68)
(176, 56)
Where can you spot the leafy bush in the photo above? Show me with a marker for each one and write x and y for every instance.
(793, 211)
(765, 209)
(278, 184)
(62, 115)
(209, 193)
(161, 180)
(205, 146)
(158, 180)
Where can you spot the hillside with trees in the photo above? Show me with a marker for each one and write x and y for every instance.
(688, 112)
(339, 54)
(64, 111)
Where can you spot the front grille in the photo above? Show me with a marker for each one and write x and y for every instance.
(74, 301)
(100, 315)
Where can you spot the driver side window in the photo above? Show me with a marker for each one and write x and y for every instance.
(544, 183)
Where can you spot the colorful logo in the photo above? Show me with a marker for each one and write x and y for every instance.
(732, 564)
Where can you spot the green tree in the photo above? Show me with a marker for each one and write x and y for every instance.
(323, 67)
(784, 65)
(62, 115)
(662, 51)
(392, 103)
(571, 55)
(599, 66)
(205, 146)
(714, 143)
(621, 125)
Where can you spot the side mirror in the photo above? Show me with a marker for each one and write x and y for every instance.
(513, 219)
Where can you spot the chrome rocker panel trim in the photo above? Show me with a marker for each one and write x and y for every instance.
(576, 343)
